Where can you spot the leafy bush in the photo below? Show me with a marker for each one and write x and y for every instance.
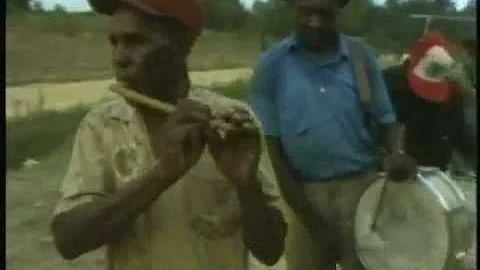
(39, 135)
(64, 23)
(237, 89)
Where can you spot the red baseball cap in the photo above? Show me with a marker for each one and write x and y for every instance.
(432, 48)
(190, 13)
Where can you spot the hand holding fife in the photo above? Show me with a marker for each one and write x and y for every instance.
(183, 137)
(233, 137)
(236, 154)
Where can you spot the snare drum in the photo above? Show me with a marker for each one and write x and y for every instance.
(418, 225)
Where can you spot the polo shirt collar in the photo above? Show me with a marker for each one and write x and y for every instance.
(293, 44)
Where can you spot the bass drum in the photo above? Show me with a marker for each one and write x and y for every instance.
(414, 225)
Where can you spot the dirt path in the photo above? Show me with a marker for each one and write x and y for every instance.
(62, 95)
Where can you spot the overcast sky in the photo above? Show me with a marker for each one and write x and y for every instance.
(82, 5)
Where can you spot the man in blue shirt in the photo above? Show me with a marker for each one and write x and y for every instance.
(305, 94)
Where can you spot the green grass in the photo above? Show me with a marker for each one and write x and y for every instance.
(61, 23)
(52, 166)
(41, 134)
(237, 89)
(31, 195)
(72, 47)
(220, 50)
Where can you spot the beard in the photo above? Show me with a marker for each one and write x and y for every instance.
(163, 76)
(167, 86)
(318, 39)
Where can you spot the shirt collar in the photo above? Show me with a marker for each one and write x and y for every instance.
(121, 110)
(294, 44)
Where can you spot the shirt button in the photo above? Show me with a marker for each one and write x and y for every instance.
(322, 90)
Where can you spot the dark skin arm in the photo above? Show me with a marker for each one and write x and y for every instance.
(264, 229)
(296, 199)
(391, 136)
(89, 226)
(398, 165)
(237, 157)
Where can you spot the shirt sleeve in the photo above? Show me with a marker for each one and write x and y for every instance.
(261, 97)
(382, 108)
(85, 176)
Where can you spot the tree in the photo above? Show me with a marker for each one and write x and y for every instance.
(18, 5)
(443, 6)
(470, 8)
(225, 14)
(392, 4)
(273, 18)
(357, 18)
(37, 6)
(472, 4)
(59, 9)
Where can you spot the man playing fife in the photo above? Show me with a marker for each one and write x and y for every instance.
(143, 182)
(320, 144)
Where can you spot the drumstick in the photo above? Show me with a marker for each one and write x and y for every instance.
(378, 210)
(221, 127)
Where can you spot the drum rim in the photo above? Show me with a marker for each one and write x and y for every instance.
(363, 259)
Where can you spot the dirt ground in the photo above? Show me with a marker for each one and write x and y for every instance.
(31, 196)
(62, 95)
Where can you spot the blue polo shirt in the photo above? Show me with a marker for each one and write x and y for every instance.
(311, 102)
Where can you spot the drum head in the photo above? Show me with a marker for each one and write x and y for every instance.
(411, 230)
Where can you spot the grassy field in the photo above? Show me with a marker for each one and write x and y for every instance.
(57, 47)
(30, 198)
(60, 47)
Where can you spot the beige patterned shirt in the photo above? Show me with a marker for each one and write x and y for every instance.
(112, 148)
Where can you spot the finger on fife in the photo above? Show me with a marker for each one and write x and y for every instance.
(221, 127)
(238, 118)
(235, 118)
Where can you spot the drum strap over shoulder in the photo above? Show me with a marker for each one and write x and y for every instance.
(360, 72)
